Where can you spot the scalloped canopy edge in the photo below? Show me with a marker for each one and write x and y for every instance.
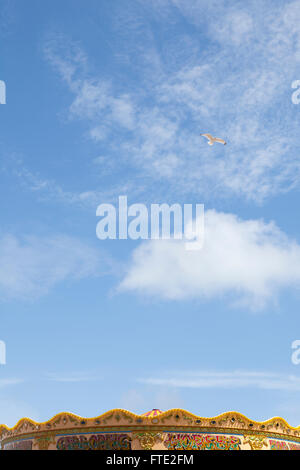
(149, 419)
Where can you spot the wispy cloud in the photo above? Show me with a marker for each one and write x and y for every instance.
(227, 380)
(233, 88)
(94, 97)
(72, 377)
(10, 381)
(30, 266)
(49, 189)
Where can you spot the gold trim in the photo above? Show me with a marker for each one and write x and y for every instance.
(43, 442)
(148, 439)
(230, 420)
(256, 442)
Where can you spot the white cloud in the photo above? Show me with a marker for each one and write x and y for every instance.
(72, 377)
(48, 189)
(66, 57)
(95, 101)
(227, 380)
(8, 382)
(236, 27)
(30, 266)
(94, 98)
(250, 259)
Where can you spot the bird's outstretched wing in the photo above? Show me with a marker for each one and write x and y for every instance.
(208, 136)
(220, 140)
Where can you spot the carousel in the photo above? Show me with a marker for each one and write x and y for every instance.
(171, 430)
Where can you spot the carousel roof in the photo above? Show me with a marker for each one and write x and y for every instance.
(174, 418)
(152, 413)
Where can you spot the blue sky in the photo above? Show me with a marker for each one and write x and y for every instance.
(107, 99)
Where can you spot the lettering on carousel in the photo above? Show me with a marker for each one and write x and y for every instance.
(201, 442)
(2, 92)
(95, 442)
(282, 445)
(19, 445)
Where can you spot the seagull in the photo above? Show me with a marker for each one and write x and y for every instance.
(212, 140)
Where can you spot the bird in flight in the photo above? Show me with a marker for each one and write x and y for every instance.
(212, 140)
